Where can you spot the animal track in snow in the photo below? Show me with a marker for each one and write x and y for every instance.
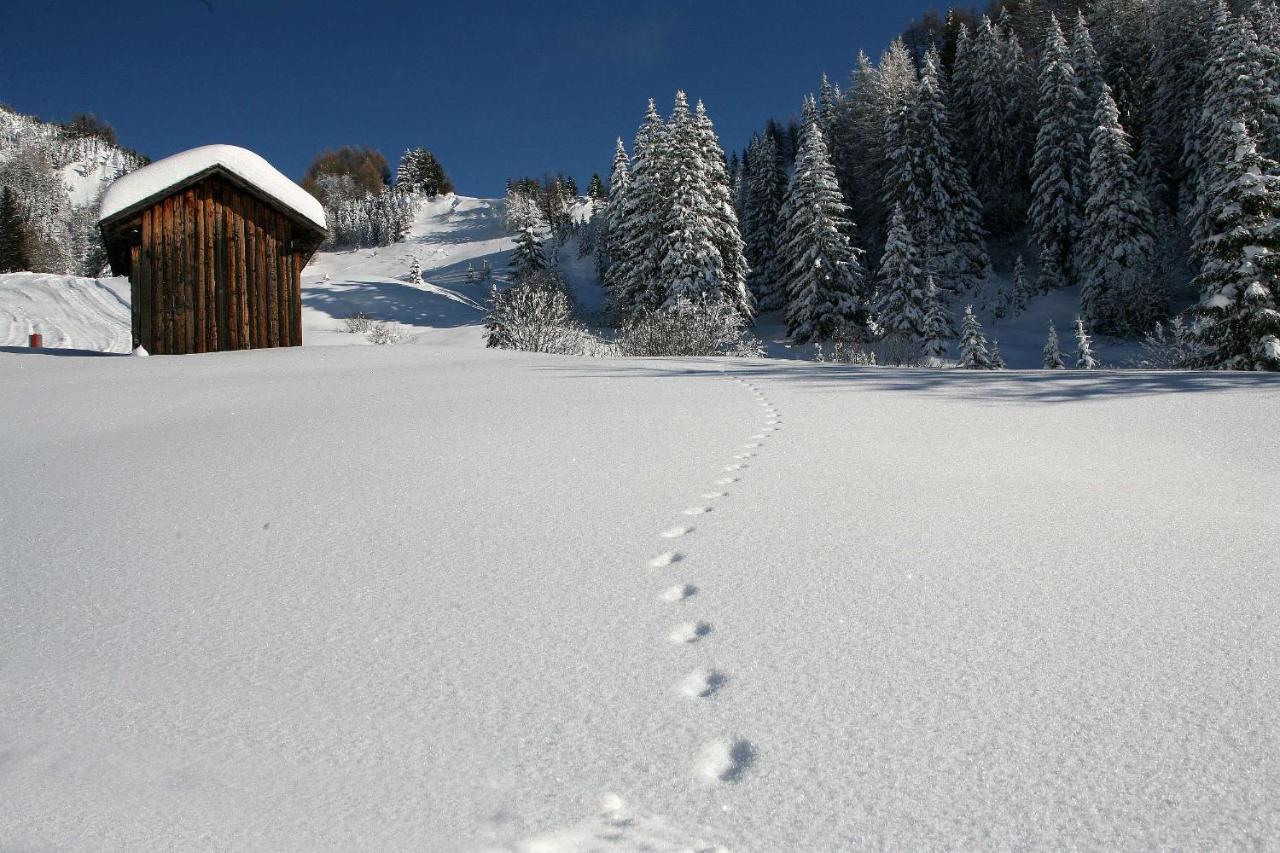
(702, 683)
(725, 760)
(666, 558)
(743, 455)
(679, 592)
(752, 443)
(689, 632)
(676, 532)
(697, 510)
(724, 481)
(737, 466)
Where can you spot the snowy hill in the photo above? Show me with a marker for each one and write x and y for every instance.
(427, 598)
(448, 233)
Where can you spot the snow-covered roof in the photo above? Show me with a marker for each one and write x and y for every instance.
(155, 180)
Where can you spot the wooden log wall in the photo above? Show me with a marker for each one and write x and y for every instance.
(217, 269)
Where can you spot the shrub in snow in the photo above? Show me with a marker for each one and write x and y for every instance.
(1168, 347)
(897, 350)
(358, 323)
(384, 333)
(686, 327)
(997, 360)
(536, 315)
(851, 343)
(1052, 353)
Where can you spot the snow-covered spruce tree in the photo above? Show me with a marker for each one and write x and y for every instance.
(634, 282)
(1020, 290)
(1235, 88)
(1059, 166)
(973, 344)
(610, 261)
(933, 190)
(938, 328)
(1084, 347)
(13, 240)
(726, 235)
(1238, 320)
(826, 285)
(692, 267)
(902, 305)
(1179, 47)
(1122, 292)
(990, 75)
(415, 272)
(529, 256)
(766, 192)
(1088, 68)
(997, 360)
(1052, 351)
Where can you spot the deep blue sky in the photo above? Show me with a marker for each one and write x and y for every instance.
(494, 88)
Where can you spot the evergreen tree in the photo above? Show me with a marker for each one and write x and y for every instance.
(1020, 291)
(528, 257)
(692, 267)
(420, 171)
(1238, 319)
(934, 191)
(611, 259)
(1179, 48)
(1120, 294)
(595, 188)
(997, 360)
(726, 233)
(1059, 167)
(766, 192)
(1084, 348)
(973, 344)
(937, 323)
(13, 244)
(825, 280)
(1088, 68)
(902, 303)
(641, 238)
(1052, 354)
(415, 272)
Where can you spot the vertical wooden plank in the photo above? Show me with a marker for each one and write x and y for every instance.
(146, 302)
(163, 275)
(222, 273)
(243, 255)
(252, 269)
(195, 222)
(296, 285)
(186, 244)
(209, 282)
(262, 320)
(271, 279)
(284, 231)
(173, 279)
(135, 313)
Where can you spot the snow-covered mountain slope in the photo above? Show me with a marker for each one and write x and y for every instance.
(432, 598)
(70, 312)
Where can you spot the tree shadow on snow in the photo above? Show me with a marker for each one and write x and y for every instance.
(397, 302)
(1004, 386)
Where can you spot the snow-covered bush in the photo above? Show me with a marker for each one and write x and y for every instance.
(687, 328)
(358, 323)
(1168, 347)
(899, 350)
(536, 315)
(384, 333)
(850, 344)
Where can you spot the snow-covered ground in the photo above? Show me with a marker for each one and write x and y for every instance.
(442, 598)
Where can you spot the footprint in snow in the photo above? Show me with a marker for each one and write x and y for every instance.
(679, 592)
(666, 558)
(743, 455)
(725, 760)
(724, 481)
(753, 443)
(737, 466)
(697, 510)
(702, 683)
(713, 495)
(689, 632)
(676, 532)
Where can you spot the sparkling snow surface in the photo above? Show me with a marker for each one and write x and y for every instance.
(408, 598)
(157, 177)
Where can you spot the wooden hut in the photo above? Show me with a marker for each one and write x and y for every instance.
(213, 241)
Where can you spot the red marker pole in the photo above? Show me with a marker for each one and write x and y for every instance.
(37, 340)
